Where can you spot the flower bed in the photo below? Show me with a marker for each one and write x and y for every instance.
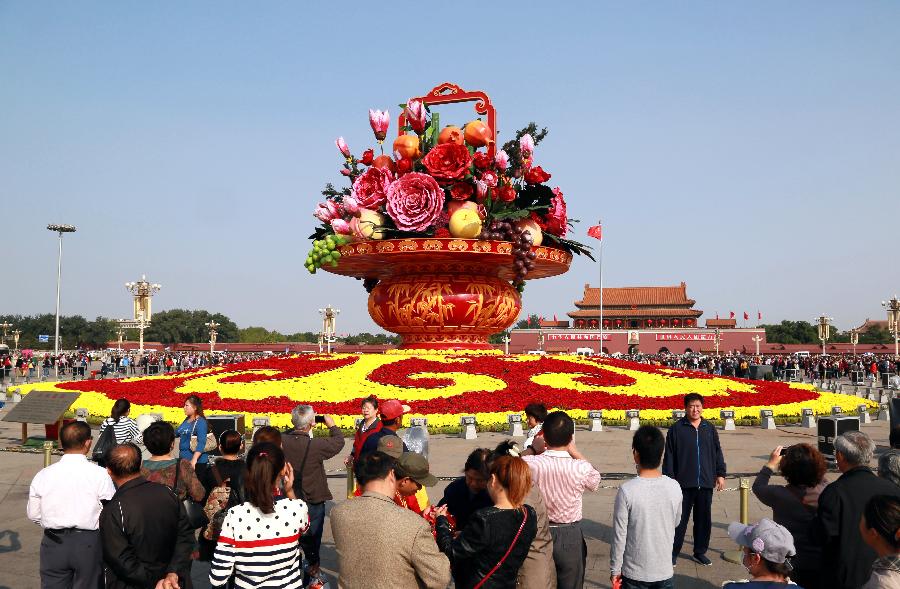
(443, 387)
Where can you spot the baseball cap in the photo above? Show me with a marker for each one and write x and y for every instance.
(774, 542)
(391, 445)
(393, 409)
(415, 466)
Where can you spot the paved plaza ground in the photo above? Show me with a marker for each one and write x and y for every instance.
(746, 450)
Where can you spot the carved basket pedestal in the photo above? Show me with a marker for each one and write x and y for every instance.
(444, 293)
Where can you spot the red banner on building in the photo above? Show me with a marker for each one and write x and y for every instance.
(569, 337)
(685, 337)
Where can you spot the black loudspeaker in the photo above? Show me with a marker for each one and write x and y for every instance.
(830, 427)
(223, 423)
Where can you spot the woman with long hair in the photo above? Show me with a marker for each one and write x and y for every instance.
(880, 529)
(259, 543)
(125, 429)
(194, 425)
(495, 542)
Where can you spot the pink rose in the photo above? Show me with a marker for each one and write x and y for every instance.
(340, 226)
(557, 222)
(414, 201)
(350, 205)
(370, 188)
(489, 177)
(326, 211)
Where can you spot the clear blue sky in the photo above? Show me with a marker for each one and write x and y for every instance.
(751, 149)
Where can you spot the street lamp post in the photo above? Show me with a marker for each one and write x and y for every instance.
(893, 313)
(329, 314)
(506, 343)
(4, 326)
(212, 325)
(143, 293)
(824, 329)
(718, 340)
(16, 333)
(59, 229)
(854, 339)
(757, 339)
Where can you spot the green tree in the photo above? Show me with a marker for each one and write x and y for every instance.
(177, 326)
(792, 332)
(532, 322)
(256, 335)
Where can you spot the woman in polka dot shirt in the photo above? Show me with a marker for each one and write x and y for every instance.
(259, 544)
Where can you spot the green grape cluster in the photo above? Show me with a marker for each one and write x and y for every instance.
(325, 251)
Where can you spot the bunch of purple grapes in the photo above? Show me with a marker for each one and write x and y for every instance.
(523, 257)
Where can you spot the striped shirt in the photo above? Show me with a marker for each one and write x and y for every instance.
(124, 430)
(562, 480)
(261, 550)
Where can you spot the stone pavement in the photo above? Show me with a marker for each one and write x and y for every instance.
(746, 450)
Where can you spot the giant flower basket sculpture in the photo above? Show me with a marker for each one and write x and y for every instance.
(445, 230)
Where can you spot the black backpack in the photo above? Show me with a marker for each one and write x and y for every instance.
(106, 441)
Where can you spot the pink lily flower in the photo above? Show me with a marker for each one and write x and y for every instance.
(502, 160)
(416, 115)
(379, 121)
(342, 146)
(526, 144)
(325, 211)
(350, 205)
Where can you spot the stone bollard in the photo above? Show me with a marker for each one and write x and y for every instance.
(863, 411)
(259, 422)
(766, 419)
(677, 414)
(467, 431)
(808, 418)
(515, 425)
(884, 412)
(16, 396)
(81, 414)
(634, 419)
(837, 411)
(728, 420)
(596, 417)
(886, 397)
(416, 436)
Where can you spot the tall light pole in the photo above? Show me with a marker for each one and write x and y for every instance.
(4, 326)
(893, 313)
(329, 314)
(212, 325)
(718, 340)
(757, 339)
(143, 292)
(854, 339)
(824, 329)
(16, 333)
(59, 229)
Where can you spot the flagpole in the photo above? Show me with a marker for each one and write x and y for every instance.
(600, 258)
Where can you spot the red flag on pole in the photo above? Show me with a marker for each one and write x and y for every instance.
(746, 316)
(596, 232)
(717, 316)
(732, 315)
(554, 317)
(758, 315)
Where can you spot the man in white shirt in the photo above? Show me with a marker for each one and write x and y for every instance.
(65, 500)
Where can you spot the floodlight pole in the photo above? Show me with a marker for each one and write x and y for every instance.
(60, 229)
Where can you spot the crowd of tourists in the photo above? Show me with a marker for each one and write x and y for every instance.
(156, 510)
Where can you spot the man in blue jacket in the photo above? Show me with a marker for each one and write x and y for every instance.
(694, 458)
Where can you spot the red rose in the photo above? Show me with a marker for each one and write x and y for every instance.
(489, 177)
(404, 165)
(367, 158)
(536, 175)
(461, 191)
(370, 188)
(448, 161)
(506, 194)
(557, 222)
(482, 160)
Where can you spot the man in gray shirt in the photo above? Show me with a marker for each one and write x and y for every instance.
(646, 511)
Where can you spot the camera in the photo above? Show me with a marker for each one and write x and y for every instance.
(783, 451)
(320, 419)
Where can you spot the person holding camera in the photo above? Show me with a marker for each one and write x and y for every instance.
(794, 504)
(307, 455)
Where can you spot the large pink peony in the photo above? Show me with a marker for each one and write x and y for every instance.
(557, 222)
(370, 189)
(414, 201)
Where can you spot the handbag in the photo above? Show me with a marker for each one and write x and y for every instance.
(194, 510)
(209, 443)
(106, 441)
(512, 544)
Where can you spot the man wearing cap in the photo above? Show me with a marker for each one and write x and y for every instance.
(412, 472)
(767, 550)
(391, 413)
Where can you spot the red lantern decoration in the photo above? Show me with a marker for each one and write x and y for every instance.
(663, 322)
(676, 322)
(649, 322)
